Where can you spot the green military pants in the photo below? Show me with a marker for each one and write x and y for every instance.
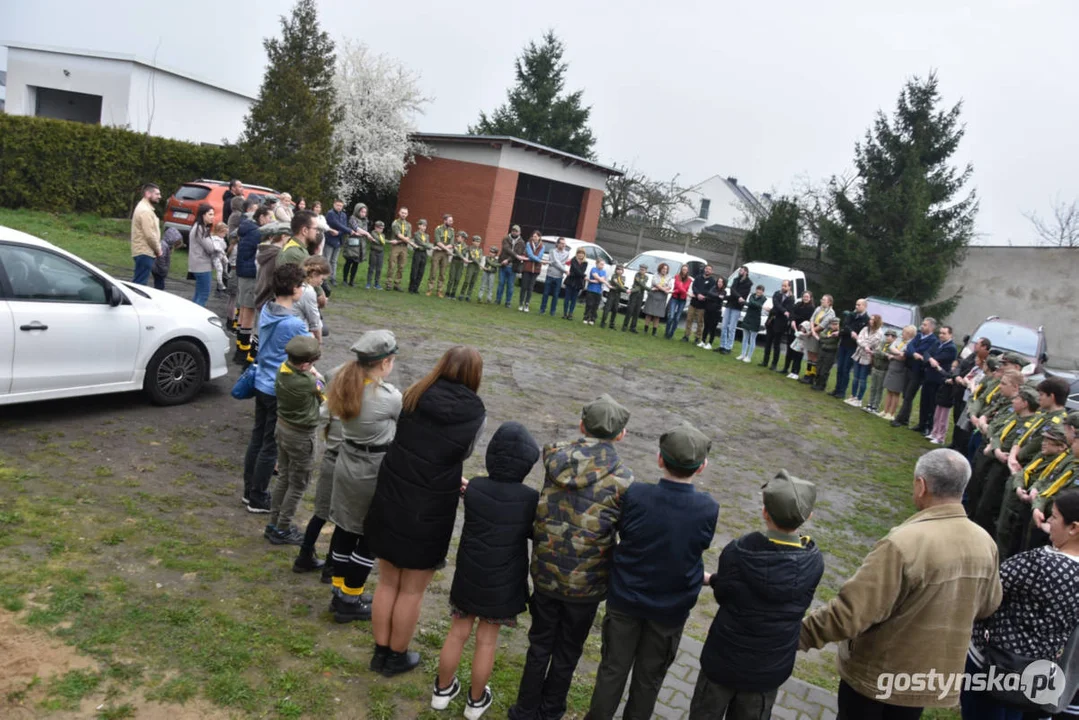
(990, 496)
(1012, 523)
(712, 701)
(455, 277)
(470, 280)
(825, 361)
(295, 464)
(643, 646)
(324, 486)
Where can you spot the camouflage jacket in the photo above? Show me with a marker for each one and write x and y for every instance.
(490, 263)
(829, 341)
(640, 283)
(1057, 473)
(377, 241)
(580, 505)
(458, 255)
(616, 286)
(1030, 442)
(1005, 428)
(422, 243)
(984, 393)
(880, 356)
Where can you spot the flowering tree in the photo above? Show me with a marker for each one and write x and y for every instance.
(380, 99)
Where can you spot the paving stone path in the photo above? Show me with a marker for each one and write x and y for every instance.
(797, 700)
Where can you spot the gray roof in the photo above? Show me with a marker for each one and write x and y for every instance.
(516, 142)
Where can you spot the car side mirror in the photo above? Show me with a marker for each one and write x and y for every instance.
(1045, 357)
(966, 339)
(113, 295)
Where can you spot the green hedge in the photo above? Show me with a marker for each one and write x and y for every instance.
(67, 166)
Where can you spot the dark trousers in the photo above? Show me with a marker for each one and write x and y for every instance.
(261, 451)
(844, 363)
(928, 405)
(555, 642)
(633, 311)
(825, 361)
(914, 383)
(982, 705)
(569, 302)
(610, 307)
(772, 341)
(374, 267)
(419, 265)
(712, 316)
(591, 305)
(853, 706)
(352, 562)
(793, 361)
(643, 646)
(712, 701)
(991, 496)
(159, 281)
(960, 437)
(528, 284)
(348, 275)
(144, 265)
(551, 286)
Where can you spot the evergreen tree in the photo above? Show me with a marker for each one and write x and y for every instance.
(288, 134)
(537, 109)
(774, 236)
(902, 226)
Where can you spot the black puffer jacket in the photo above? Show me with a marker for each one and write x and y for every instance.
(738, 292)
(491, 579)
(763, 589)
(419, 483)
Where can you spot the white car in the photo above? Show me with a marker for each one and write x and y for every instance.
(771, 277)
(653, 259)
(68, 329)
(592, 252)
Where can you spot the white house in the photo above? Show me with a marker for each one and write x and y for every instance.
(121, 90)
(719, 201)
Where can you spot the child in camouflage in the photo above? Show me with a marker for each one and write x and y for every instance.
(829, 346)
(490, 276)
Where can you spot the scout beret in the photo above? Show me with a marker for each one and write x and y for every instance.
(477, 238)
(684, 448)
(462, 233)
(789, 500)
(1029, 394)
(604, 418)
(1072, 419)
(1014, 358)
(274, 228)
(302, 349)
(379, 223)
(421, 222)
(375, 345)
(834, 321)
(993, 363)
(515, 227)
(891, 332)
(1055, 433)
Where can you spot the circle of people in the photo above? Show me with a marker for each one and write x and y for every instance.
(984, 576)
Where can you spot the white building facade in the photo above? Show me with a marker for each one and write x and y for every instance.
(719, 201)
(121, 91)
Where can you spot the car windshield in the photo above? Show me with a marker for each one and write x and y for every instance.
(1006, 336)
(895, 316)
(654, 261)
(192, 192)
(771, 284)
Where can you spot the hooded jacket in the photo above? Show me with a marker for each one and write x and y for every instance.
(277, 325)
(246, 248)
(763, 585)
(491, 579)
(419, 482)
(267, 263)
(579, 507)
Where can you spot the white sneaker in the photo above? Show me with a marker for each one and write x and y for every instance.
(746, 359)
(441, 697)
(708, 346)
(700, 343)
(474, 711)
(857, 403)
(792, 376)
(526, 308)
(851, 400)
(520, 308)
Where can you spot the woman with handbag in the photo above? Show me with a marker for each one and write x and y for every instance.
(1036, 618)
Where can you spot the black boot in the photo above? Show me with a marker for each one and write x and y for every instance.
(378, 660)
(345, 612)
(327, 574)
(653, 332)
(397, 663)
(306, 561)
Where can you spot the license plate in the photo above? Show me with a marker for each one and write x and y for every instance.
(180, 215)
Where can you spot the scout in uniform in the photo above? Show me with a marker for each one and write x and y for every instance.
(829, 347)
(441, 256)
(1052, 394)
(473, 259)
(1043, 471)
(636, 299)
(419, 257)
(880, 370)
(490, 276)
(1065, 476)
(615, 287)
(400, 242)
(457, 264)
(374, 257)
(353, 247)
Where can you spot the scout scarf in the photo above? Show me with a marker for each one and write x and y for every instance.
(1048, 469)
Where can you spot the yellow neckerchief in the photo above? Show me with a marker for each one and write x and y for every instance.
(1059, 482)
(285, 368)
(443, 231)
(291, 242)
(1040, 419)
(818, 315)
(1008, 428)
(992, 393)
(475, 253)
(379, 237)
(423, 237)
(1038, 463)
(803, 541)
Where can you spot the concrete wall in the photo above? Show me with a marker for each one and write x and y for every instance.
(176, 107)
(27, 69)
(1034, 286)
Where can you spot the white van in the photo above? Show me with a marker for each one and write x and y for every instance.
(652, 259)
(592, 253)
(771, 277)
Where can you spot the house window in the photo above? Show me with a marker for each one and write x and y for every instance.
(706, 204)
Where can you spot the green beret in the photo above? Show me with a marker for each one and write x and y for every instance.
(992, 363)
(477, 238)
(1029, 394)
(303, 349)
(274, 228)
(604, 418)
(1072, 419)
(421, 221)
(1013, 358)
(375, 345)
(462, 233)
(789, 500)
(684, 448)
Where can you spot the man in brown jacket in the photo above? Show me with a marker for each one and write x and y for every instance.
(909, 609)
(145, 234)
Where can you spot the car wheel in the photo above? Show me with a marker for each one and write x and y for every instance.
(175, 373)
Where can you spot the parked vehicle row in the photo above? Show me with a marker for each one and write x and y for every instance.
(182, 205)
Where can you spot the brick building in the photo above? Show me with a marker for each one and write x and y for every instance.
(489, 183)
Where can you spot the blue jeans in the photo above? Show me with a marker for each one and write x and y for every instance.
(331, 254)
(143, 265)
(202, 287)
(569, 304)
(551, 286)
(861, 380)
(505, 281)
(730, 327)
(674, 314)
(844, 362)
(749, 343)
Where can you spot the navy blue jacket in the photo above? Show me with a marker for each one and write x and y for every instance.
(247, 248)
(337, 220)
(923, 346)
(945, 354)
(657, 570)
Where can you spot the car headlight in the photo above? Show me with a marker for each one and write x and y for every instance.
(216, 321)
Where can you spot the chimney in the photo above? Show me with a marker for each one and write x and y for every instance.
(732, 180)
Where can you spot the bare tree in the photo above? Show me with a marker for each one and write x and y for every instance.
(817, 203)
(1062, 229)
(635, 195)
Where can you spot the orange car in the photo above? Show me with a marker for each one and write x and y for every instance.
(184, 203)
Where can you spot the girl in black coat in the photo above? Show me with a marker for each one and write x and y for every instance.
(803, 312)
(415, 505)
(491, 580)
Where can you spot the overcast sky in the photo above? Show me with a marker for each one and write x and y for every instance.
(766, 92)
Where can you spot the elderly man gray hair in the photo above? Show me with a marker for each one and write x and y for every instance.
(940, 476)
